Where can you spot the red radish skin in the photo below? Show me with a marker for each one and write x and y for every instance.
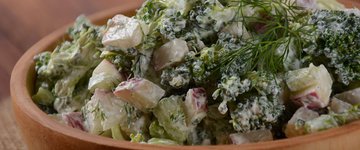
(74, 119)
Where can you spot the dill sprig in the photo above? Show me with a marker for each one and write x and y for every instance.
(268, 48)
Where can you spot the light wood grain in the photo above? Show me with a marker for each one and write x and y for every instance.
(9, 55)
(10, 138)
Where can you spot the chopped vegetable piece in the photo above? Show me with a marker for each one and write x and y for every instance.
(236, 29)
(105, 76)
(72, 119)
(123, 32)
(295, 126)
(106, 133)
(157, 131)
(352, 96)
(171, 115)
(310, 87)
(116, 133)
(103, 112)
(169, 54)
(321, 123)
(137, 138)
(140, 93)
(195, 106)
(43, 97)
(135, 122)
(251, 137)
(339, 106)
(162, 141)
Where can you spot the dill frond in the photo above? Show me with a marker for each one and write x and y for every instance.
(261, 51)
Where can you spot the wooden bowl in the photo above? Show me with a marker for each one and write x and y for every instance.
(41, 132)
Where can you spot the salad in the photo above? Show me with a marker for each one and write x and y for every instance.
(207, 72)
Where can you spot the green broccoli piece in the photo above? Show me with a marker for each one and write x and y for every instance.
(178, 77)
(69, 66)
(257, 112)
(43, 97)
(137, 138)
(257, 90)
(335, 43)
(151, 10)
(173, 24)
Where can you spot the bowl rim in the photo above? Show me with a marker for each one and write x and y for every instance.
(22, 99)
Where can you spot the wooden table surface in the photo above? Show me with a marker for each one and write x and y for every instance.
(24, 22)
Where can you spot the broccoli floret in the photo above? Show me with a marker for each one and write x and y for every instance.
(230, 42)
(198, 68)
(335, 43)
(257, 112)
(41, 62)
(150, 11)
(231, 88)
(122, 61)
(68, 67)
(173, 24)
(178, 77)
(137, 138)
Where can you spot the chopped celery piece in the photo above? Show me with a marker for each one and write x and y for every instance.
(162, 141)
(106, 133)
(116, 133)
(103, 111)
(170, 114)
(157, 131)
(44, 97)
